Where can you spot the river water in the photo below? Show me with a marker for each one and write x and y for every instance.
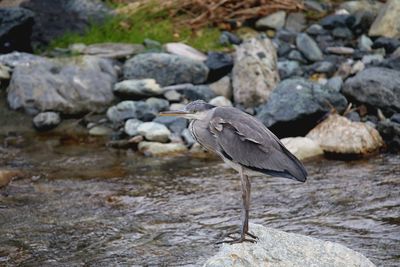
(83, 204)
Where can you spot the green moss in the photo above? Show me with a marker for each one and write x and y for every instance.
(147, 22)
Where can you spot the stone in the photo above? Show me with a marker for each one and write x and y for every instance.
(4, 72)
(390, 132)
(247, 33)
(296, 105)
(77, 48)
(387, 23)
(187, 137)
(157, 104)
(275, 248)
(67, 85)
(332, 21)
(340, 50)
(131, 109)
(172, 95)
(100, 130)
(288, 68)
(166, 69)
(296, 55)
(181, 49)
(193, 92)
(274, 21)
(335, 83)
(389, 44)
(390, 63)
(152, 45)
(353, 116)
(160, 149)
(302, 147)
(137, 89)
(15, 59)
(342, 32)
(255, 73)
(365, 43)
(339, 135)
(324, 67)
(227, 38)
(220, 101)
(395, 118)
(15, 29)
(296, 22)
(362, 23)
(222, 87)
(175, 124)
(315, 29)
(378, 87)
(219, 65)
(6, 176)
(308, 47)
(372, 59)
(364, 6)
(283, 48)
(113, 50)
(154, 131)
(285, 36)
(357, 67)
(131, 127)
(46, 120)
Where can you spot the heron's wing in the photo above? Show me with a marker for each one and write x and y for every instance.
(245, 140)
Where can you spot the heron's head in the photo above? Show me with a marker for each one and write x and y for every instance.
(195, 110)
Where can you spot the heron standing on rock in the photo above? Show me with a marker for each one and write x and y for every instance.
(245, 144)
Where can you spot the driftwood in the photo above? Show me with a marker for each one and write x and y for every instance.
(221, 13)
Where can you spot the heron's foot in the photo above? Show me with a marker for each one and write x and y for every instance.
(242, 238)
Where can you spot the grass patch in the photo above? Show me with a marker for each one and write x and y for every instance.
(147, 22)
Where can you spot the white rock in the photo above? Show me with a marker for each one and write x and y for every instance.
(100, 130)
(222, 87)
(255, 73)
(138, 88)
(280, 249)
(181, 49)
(160, 149)
(176, 106)
(220, 101)
(4, 72)
(154, 131)
(131, 127)
(339, 135)
(302, 147)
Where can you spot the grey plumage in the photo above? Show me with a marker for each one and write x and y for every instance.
(244, 143)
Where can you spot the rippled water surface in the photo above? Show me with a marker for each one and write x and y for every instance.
(82, 204)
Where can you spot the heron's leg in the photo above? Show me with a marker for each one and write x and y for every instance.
(244, 230)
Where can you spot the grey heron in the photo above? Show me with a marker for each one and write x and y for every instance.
(245, 144)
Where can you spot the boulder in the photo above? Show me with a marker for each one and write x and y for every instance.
(160, 149)
(113, 50)
(388, 21)
(339, 135)
(276, 248)
(378, 87)
(255, 73)
(274, 21)
(15, 29)
(181, 49)
(302, 147)
(46, 120)
(308, 47)
(137, 89)
(154, 131)
(131, 110)
(166, 69)
(296, 105)
(66, 85)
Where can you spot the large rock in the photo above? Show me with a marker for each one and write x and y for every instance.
(160, 149)
(388, 21)
(166, 69)
(15, 29)
(276, 248)
(296, 105)
(302, 147)
(70, 86)
(339, 135)
(255, 73)
(378, 87)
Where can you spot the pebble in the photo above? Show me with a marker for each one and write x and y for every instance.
(308, 47)
(100, 130)
(340, 50)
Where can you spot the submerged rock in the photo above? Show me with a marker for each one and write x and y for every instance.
(280, 249)
(296, 105)
(166, 69)
(339, 135)
(70, 86)
(302, 147)
(160, 149)
(46, 120)
(378, 87)
(255, 73)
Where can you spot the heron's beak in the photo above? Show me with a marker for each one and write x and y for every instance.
(178, 113)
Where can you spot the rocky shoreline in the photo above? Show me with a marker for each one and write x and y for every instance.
(330, 86)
